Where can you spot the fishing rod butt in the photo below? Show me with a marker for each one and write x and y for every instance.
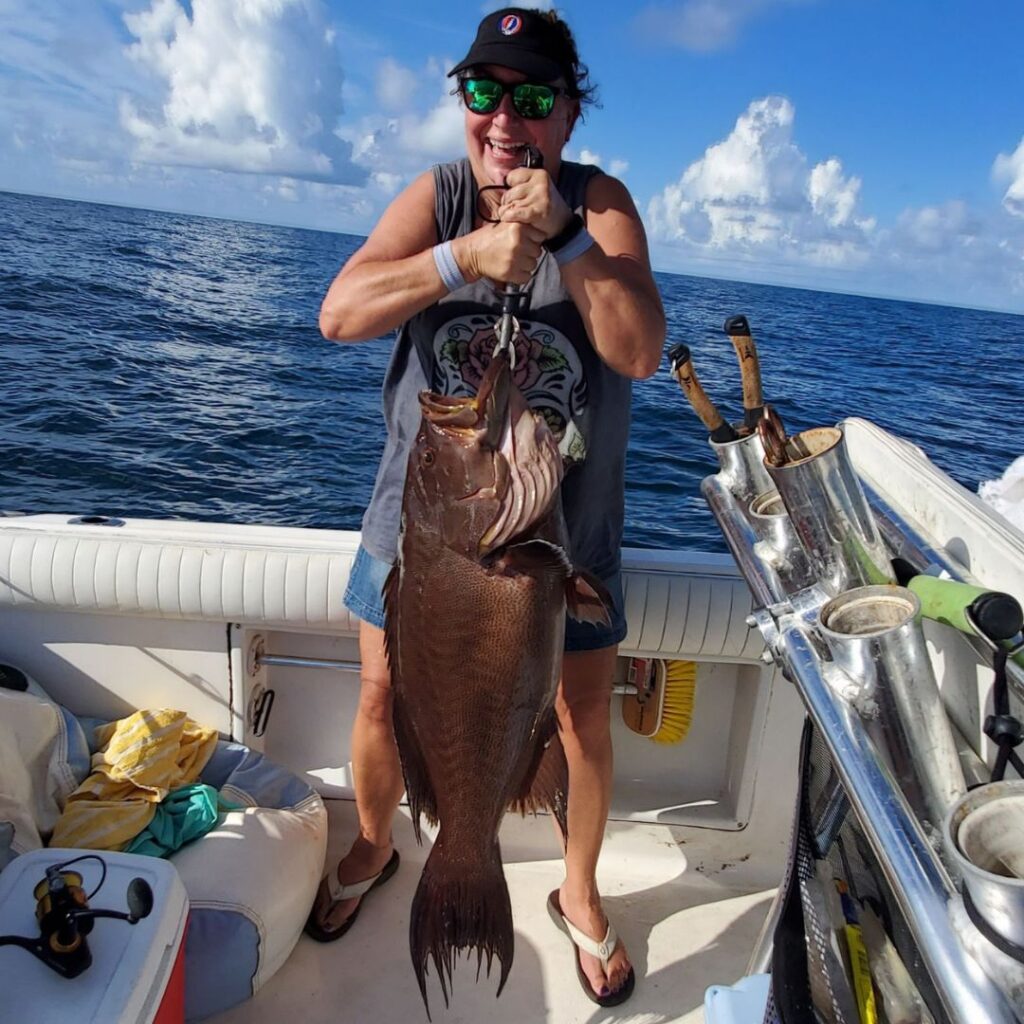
(737, 326)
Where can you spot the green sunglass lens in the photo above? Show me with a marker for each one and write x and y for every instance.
(482, 96)
(533, 101)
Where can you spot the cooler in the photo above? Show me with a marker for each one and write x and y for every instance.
(137, 971)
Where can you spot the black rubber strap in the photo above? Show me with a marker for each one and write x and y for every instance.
(566, 235)
(1003, 944)
(1001, 727)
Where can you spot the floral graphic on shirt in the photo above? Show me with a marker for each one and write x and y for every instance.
(547, 370)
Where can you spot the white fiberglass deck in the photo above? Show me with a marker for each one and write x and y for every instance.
(682, 905)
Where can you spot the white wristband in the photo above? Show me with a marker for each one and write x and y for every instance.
(448, 267)
(574, 248)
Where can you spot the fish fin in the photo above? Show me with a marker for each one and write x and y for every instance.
(418, 789)
(460, 904)
(587, 599)
(546, 783)
(530, 557)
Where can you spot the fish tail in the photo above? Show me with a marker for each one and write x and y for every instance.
(460, 904)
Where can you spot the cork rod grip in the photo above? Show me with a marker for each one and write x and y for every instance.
(738, 330)
(684, 373)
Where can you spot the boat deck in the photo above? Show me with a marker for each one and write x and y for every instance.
(689, 915)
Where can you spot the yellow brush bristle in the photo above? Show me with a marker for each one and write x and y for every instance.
(677, 702)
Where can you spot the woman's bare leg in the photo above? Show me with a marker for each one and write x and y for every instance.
(377, 776)
(584, 707)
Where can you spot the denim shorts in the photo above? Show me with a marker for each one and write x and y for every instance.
(364, 598)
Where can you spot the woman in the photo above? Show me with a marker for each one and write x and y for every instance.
(570, 236)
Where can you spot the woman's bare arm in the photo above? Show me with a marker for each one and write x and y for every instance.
(393, 276)
(612, 284)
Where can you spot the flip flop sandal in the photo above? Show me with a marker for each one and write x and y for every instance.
(602, 950)
(339, 892)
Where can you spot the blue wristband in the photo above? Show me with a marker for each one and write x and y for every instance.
(448, 267)
(574, 248)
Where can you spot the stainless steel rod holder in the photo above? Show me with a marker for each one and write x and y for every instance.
(742, 467)
(917, 878)
(874, 635)
(778, 547)
(920, 883)
(830, 512)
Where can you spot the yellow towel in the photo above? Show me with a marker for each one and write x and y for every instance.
(140, 759)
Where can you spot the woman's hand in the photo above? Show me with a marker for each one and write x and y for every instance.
(532, 199)
(505, 252)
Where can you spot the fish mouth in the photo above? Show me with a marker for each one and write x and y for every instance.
(527, 466)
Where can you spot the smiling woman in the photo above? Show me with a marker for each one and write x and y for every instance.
(437, 267)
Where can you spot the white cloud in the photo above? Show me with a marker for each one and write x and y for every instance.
(1011, 168)
(703, 25)
(617, 168)
(253, 87)
(752, 196)
(396, 85)
(428, 126)
(754, 207)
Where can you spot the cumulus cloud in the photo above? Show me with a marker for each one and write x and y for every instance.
(1010, 167)
(753, 195)
(702, 25)
(250, 87)
(754, 206)
(616, 168)
(395, 144)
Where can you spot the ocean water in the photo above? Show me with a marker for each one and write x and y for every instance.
(166, 366)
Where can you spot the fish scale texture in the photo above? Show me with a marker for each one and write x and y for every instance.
(475, 660)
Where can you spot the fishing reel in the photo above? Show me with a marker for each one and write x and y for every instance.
(65, 917)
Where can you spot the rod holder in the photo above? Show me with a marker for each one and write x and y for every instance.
(830, 512)
(874, 635)
(742, 467)
(985, 832)
(778, 546)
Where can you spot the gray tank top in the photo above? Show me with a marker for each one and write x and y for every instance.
(447, 346)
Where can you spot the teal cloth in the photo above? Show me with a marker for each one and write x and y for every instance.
(183, 815)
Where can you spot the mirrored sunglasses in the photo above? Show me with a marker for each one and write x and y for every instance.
(531, 100)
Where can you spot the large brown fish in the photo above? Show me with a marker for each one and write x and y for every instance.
(475, 626)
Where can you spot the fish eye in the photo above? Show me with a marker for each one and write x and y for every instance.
(428, 457)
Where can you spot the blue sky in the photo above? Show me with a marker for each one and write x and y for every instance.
(871, 146)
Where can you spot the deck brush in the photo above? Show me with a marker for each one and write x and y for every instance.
(662, 707)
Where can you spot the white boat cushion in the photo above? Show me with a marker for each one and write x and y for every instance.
(250, 881)
(43, 758)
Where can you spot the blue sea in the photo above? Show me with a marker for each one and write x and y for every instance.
(167, 366)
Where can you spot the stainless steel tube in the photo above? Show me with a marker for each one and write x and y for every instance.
(985, 831)
(830, 513)
(778, 547)
(874, 634)
(293, 662)
(919, 882)
(742, 468)
(740, 538)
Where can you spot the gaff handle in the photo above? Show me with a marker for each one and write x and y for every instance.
(511, 296)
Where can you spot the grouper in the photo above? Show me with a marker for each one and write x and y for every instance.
(475, 620)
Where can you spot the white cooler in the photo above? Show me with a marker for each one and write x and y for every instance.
(137, 971)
